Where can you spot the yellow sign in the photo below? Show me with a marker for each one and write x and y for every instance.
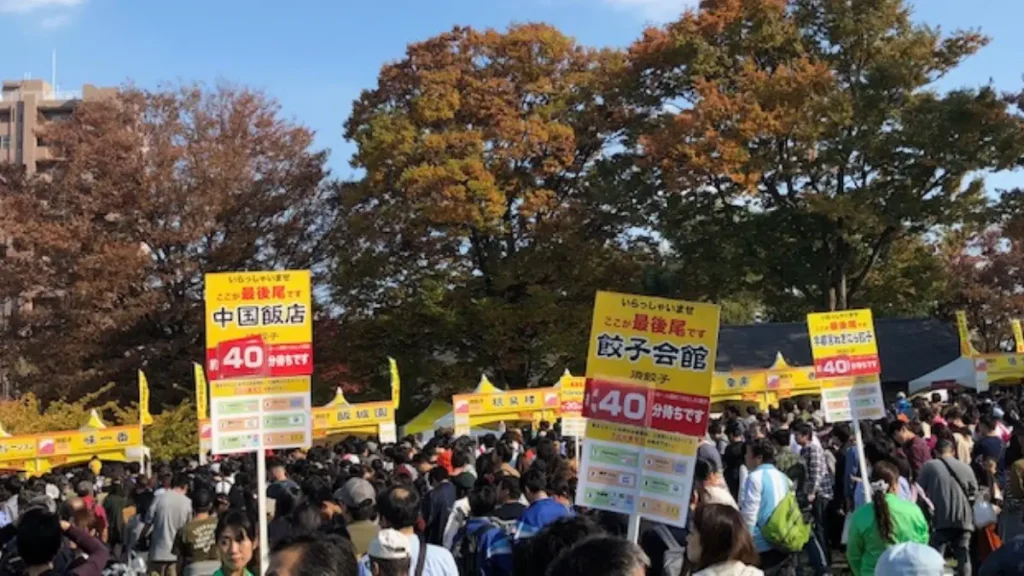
(18, 447)
(571, 390)
(511, 402)
(259, 324)
(144, 416)
(79, 442)
(740, 382)
(656, 342)
(843, 343)
(330, 418)
(201, 392)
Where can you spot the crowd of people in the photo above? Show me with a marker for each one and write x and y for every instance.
(775, 492)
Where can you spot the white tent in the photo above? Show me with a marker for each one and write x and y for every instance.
(964, 371)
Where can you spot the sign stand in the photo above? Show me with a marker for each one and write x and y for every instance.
(261, 487)
(633, 530)
(865, 482)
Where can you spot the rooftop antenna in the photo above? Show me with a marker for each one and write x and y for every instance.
(53, 71)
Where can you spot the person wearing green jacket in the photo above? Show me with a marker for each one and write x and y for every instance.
(888, 520)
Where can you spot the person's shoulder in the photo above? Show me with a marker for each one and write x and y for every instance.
(439, 553)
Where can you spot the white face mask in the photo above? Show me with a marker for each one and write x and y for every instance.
(515, 446)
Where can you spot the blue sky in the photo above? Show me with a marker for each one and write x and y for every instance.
(316, 55)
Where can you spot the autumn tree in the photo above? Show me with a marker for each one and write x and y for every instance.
(478, 234)
(806, 138)
(150, 190)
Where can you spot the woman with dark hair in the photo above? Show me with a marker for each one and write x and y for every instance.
(719, 543)
(237, 540)
(887, 520)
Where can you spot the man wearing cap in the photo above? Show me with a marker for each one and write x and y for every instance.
(389, 554)
(358, 501)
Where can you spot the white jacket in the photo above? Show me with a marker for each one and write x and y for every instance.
(731, 568)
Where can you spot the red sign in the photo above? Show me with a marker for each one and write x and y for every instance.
(680, 413)
(252, 358)
(840, 366)
(646, 407)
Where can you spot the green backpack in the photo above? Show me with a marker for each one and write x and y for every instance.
(785, 529)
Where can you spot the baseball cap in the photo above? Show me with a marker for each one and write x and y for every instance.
(355, 492)
(390, 544)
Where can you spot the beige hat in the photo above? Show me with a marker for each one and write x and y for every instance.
(389, 544)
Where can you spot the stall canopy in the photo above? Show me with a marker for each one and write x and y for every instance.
(426, 420)
(964, 371)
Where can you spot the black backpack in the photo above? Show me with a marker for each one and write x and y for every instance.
(467, 553)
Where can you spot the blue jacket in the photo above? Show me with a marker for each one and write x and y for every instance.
(538, 515)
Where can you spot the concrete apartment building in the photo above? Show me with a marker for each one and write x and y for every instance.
(26, 106)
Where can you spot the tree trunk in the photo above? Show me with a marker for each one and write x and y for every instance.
(842, 305)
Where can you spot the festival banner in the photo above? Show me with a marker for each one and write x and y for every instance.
(650, 371)
(512, 402)
(843, 343)
(145, 418)
(328, 418)
(396, 383)
(966, 348)
(85, 442)
(201, 392)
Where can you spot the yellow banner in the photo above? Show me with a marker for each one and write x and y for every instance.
(1004, 368)
(18, 447)
(658, 342)
(144, 416)
(726, 383)
(511, 402)
(966, 348)
(201, 392)
(1018, 337)
(77, 442)
(353, 415)
(396, 383)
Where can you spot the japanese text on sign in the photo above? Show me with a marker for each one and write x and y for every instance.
(258, 324)
(653, 340)
(843, 343)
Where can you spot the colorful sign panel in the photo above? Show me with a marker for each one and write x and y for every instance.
(259, 324)
(847, 399)
(843, 343)
(650, 370)
(260, 414)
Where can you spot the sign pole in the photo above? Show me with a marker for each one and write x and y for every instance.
(633, 530)
(261, 487)
(862, 462)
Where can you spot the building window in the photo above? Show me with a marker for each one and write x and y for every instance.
(5, 142)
